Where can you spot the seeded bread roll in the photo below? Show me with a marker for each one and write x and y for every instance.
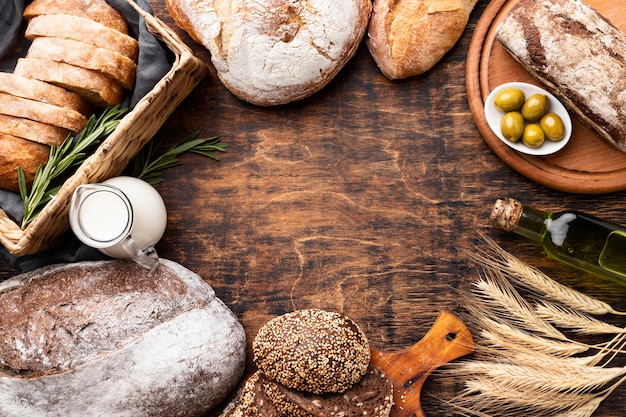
(577, 54)
(275, 51)
(312, 350)
(112, 339)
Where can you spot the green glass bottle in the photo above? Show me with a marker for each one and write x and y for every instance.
(577, 239)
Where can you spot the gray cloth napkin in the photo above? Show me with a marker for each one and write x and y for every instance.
(153, 63)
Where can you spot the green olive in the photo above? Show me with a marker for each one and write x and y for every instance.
(509, 99)
(512, 125)
(535, 107)
(533, 136)
(552, 126)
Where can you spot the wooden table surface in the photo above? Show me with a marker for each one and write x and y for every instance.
(360, 199)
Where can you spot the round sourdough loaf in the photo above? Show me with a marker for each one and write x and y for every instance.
(275, 51)
(109, 338)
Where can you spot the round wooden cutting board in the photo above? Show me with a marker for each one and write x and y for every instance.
(587, 165)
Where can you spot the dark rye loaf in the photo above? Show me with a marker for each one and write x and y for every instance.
(109, 338)
(577, 54)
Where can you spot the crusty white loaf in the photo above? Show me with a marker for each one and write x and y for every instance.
(110, 338)
(577, 54)
(408, 37)
(275, 51)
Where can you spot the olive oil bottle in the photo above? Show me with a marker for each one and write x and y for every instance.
(577, 239)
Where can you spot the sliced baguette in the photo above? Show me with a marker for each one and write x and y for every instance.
(43, 133)
(110, 63)
(38, 90)
(93, 86)
(77, 28)
(98, 10)
(16, 152)
(42, 112)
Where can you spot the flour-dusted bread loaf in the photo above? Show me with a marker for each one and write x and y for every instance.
(95, 87)
(276, 51)
(407, 38)
(82, 29)
(108, 62)
(577, 54)
(18, 152)
(109, 338)
(98, 10)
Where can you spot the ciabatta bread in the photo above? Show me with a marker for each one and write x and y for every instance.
(44, 133)
(17, 152)
(82, 29)
(113, 339)
(93, 86)
(98, 10)
(114, 65)
(42, 112)
(276, 51)
(577, 54)
(408, 37)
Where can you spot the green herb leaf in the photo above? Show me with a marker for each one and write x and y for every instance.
(72, 152)
(147, 166)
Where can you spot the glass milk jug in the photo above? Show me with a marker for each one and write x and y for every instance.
(122, 217)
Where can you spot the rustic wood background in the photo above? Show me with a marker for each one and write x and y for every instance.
(360, 199)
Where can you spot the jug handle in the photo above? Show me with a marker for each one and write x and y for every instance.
(147, 258)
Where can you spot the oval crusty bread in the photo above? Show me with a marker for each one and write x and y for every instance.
(98, 10)
(42, 112)
(44, 133)
(93, 86)
(276, 51)
(16, 152)
(17, 85)
(111, 338)
(110, 63)
(82, 29)
(408, 37)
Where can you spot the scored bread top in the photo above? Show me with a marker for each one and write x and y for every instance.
(98, 10)
(93, 86)
(110, 63)
(33, 89)
(82, 29)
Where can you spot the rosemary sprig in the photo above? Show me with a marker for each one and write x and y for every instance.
(72, 152)
(147, 166)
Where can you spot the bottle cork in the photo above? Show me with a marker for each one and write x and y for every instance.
(506, 213)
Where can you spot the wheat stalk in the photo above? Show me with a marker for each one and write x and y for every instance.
(569, 318)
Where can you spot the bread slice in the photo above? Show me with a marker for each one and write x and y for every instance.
(33, 89)
(110, 63)
(16, 152)
(98, 10)
(42, 112)
(43, 133)
(77, 28)
(93, 86)
(577, 54)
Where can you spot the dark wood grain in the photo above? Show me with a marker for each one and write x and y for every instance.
(360, 199)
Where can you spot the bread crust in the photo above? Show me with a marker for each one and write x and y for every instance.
(17, 152)
(408, 37)
(109, 338)
(43, 133)
(276, 51)
(78, 28)
(577, 54)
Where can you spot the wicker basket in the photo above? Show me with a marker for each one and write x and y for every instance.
(114, 154)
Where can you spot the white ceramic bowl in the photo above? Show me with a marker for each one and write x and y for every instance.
(548, 147)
